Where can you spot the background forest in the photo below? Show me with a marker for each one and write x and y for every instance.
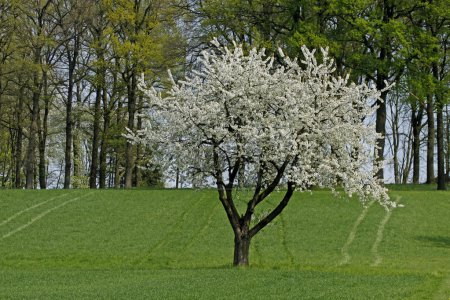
(69, 78)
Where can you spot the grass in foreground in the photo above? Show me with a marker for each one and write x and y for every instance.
(178, 244)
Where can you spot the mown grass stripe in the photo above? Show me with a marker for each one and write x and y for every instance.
(41, 215)
(30, 208)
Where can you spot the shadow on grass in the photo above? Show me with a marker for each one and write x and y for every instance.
(436, 241)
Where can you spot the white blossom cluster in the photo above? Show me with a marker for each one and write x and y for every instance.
(270, 116)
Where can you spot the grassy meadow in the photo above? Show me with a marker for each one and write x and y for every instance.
(164, 244)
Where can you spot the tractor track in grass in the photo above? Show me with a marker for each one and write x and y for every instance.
(284, 240)
(380, 233)
(344, 251)
(176, 225)
(4, 222)
(200, 232)
(443, 291)
(41, 215)
(377, 258)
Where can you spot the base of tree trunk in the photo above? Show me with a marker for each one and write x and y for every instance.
(241, 251)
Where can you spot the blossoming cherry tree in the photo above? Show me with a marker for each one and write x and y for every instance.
(288, 124)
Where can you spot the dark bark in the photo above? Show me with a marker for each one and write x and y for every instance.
(18, 142)
(380, 126)
(43, 132)
(448, 145)
(396, 141)
(137, 174)
(177, 178)
(118, 149)
(72, 56)
(69, 133)
(407, 160)
(76, 146)
(30, 162)
(441, 184)
(430, 140)
(242, 248)
(104, 140)
(416, 123)
(129, 155)
(95, 137)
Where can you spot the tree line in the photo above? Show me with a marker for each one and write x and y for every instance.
(69, 75)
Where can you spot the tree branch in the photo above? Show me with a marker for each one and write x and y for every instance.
(277, 210)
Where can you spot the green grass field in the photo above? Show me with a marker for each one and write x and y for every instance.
(159, 244)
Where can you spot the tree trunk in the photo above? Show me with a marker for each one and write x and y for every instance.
(19, 137)
(416, 123)
(430, 140)
(30, 162)
(69, 133)
(241, 250)
(177, 178)
(43, 132)
(441, 184)
(396, 140)
(129, 156)
(407, 160)
(380, 126)
(100, 84)
(137, 176)
(95, 138)
(448, 145)
(439, 131)
(77, 165)
(104, 140)
(118, 151)
(72, 55)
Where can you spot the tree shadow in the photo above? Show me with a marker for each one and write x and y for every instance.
(436, 241)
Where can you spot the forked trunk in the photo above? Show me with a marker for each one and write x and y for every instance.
(241, 250)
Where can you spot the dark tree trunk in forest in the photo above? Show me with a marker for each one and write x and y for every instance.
(129, 155)
(72, 56)
(416, 123)
(104, 140)
(441, 184)
(380, 126)
(137, 174)
(118, 149)
(43, 132)
(396, 140)
(77, 165)
(95, 138)
(448, 145)
(430, 140)
(30, 162)
(69, 137)
(177, 178)
(382, 76)
(18, 142)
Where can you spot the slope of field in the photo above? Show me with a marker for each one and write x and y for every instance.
(177, 244)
